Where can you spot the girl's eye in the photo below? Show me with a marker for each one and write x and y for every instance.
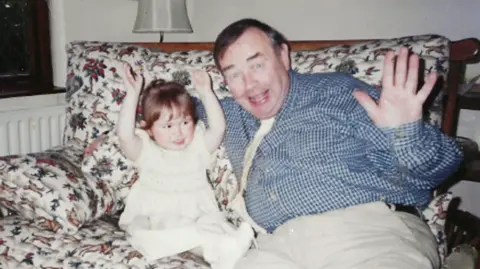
(169, 126)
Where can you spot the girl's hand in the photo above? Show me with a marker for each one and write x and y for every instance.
(133, 82)
(202, 82)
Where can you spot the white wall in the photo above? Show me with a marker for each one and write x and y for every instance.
(112, 20)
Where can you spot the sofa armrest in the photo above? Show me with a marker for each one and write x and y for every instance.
(49, 189)
(461, 227)
(463, 238)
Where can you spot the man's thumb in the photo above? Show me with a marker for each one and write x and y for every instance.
(366, 102)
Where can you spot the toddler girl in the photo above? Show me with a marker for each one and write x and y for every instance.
(172, 207)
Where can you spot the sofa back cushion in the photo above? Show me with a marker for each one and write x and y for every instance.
(95, 85)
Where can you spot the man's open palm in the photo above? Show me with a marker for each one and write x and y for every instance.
(399, 101)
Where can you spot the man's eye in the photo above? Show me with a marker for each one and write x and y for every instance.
(234, 75)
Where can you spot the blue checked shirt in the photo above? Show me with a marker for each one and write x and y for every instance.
(324, 153)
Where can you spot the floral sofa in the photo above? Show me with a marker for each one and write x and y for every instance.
(60, 206)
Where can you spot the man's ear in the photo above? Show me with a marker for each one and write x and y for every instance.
(285, 56)
(143, 124)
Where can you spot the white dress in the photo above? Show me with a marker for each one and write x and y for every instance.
(172, 207)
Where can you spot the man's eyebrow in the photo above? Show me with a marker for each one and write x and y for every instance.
(254, 56)
(226, 68)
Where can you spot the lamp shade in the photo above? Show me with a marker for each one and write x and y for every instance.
(155, 16)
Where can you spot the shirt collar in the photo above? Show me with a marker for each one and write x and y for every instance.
(292, 93)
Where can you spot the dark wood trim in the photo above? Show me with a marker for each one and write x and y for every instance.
(27, 89)
(31, 39)
(294, 45)
(45, 73)
(469, 101)
(40, 75)
(461, 227)
(465, 50)
(462, 53)
(451, 109)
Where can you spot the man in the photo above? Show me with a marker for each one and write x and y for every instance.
(342, 171)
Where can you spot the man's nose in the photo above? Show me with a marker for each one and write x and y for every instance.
(249, 81)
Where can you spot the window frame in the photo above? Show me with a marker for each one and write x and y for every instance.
(40, 78)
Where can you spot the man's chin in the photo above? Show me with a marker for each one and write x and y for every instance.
(263, 115)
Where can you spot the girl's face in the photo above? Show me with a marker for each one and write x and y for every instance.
(172, 130)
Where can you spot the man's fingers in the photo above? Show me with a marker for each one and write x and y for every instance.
(401, 67)
(425, 91)
(412, 78)
(367, 103)
(388, 69)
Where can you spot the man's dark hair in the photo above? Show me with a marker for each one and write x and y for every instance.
(233, 31)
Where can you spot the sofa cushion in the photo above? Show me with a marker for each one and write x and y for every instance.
(97, 245)
(49, 189)
(105, 162)
(95, 87)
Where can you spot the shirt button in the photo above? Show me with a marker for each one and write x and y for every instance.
(399, 133)
(273, 196)
(382, 198)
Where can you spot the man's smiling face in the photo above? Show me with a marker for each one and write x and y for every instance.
(257, 74)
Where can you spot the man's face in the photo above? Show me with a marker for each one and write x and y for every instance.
(256, 74)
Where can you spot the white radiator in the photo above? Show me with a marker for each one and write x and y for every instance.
(31, 130)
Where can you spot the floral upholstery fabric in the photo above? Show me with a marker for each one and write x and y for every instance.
(49, 189)
(106, 162)
(436, 215)
(365, 62)
(95, 87)
(97, 245)
(98, 177)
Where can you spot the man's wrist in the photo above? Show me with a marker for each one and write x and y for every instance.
(406, 134)
(205, 93)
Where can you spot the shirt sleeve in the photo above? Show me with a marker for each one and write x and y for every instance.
(200, 110)
(422, 152)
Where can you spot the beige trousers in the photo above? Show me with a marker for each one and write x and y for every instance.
(367, 236)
